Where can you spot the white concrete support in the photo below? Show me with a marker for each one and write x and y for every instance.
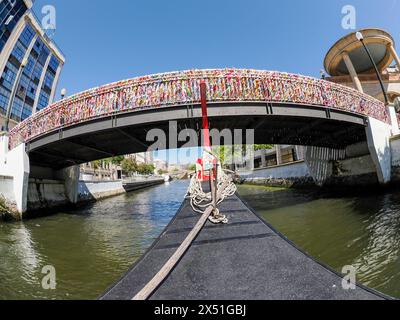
(15, 164)
(378, 139)
(263, 158)
(395, 56)
(319, 162)
(70, 176)
(278, 155)
(393, 120)
(352, 71)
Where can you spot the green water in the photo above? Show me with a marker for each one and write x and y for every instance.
(362, 231)
(90, 248)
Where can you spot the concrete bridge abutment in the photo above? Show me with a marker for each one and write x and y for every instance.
(364, 163)
(24, 187)
(14, 175)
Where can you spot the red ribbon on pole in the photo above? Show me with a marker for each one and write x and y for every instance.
(206, 128)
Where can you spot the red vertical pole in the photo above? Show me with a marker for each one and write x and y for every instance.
(206, 128)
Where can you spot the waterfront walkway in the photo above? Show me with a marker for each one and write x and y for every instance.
(243, 260)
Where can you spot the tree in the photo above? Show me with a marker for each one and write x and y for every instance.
(129, 166)
(117, 160)
(145, 169)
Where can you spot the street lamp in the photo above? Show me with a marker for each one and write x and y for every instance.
(63, 93)
(360, 38)
(11, 102)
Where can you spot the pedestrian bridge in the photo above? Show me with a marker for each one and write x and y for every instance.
(333, 120)
(115, 119)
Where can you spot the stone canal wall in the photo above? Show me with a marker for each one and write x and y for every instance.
(288, 175)
(47, 194)
(89, 191)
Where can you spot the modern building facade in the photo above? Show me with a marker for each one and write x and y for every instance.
(30, 63)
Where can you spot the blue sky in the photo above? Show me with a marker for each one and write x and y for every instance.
(106, 41)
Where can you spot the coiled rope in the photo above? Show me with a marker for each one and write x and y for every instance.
(200, 200)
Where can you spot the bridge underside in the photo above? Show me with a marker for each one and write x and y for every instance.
(126, 133)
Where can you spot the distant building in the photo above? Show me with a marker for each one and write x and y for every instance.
(279, 155)
(30, 63)
(100, 171)
(160, 165)
(142, 158)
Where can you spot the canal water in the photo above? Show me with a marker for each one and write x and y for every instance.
(92, 247)
(340, 230)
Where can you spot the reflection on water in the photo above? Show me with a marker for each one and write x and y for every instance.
(90, 247)
(363, 231)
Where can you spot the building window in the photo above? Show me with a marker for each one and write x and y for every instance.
(11, 12)
(9, 75)
(48, 81)
(43, 55)
(43, 100)
(37, 73)
(4, 98)
(27, 36)
(29, 66)
(17, 109)
(54, 64)
(19, 51)
(26, 112)
(31, 92)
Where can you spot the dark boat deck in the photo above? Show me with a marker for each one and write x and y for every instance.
(243, 260)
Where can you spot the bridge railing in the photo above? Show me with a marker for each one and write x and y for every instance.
(182, 88)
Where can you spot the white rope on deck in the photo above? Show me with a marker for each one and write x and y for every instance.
(200, 200)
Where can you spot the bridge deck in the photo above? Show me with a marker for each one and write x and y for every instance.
(246, 259)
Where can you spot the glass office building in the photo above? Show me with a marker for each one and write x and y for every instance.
(30, 63)
(11, 12)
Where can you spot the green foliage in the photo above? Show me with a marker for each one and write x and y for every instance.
(263, 147)
(96, 164)
(117, 160)
(191, 167)
(227, 154)
(130, 166)
(145, 169)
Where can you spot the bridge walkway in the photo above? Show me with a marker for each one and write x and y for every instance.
(243, 260)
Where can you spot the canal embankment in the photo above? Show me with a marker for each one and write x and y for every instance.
(355, 168)
(45, 194)
(290, 175)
